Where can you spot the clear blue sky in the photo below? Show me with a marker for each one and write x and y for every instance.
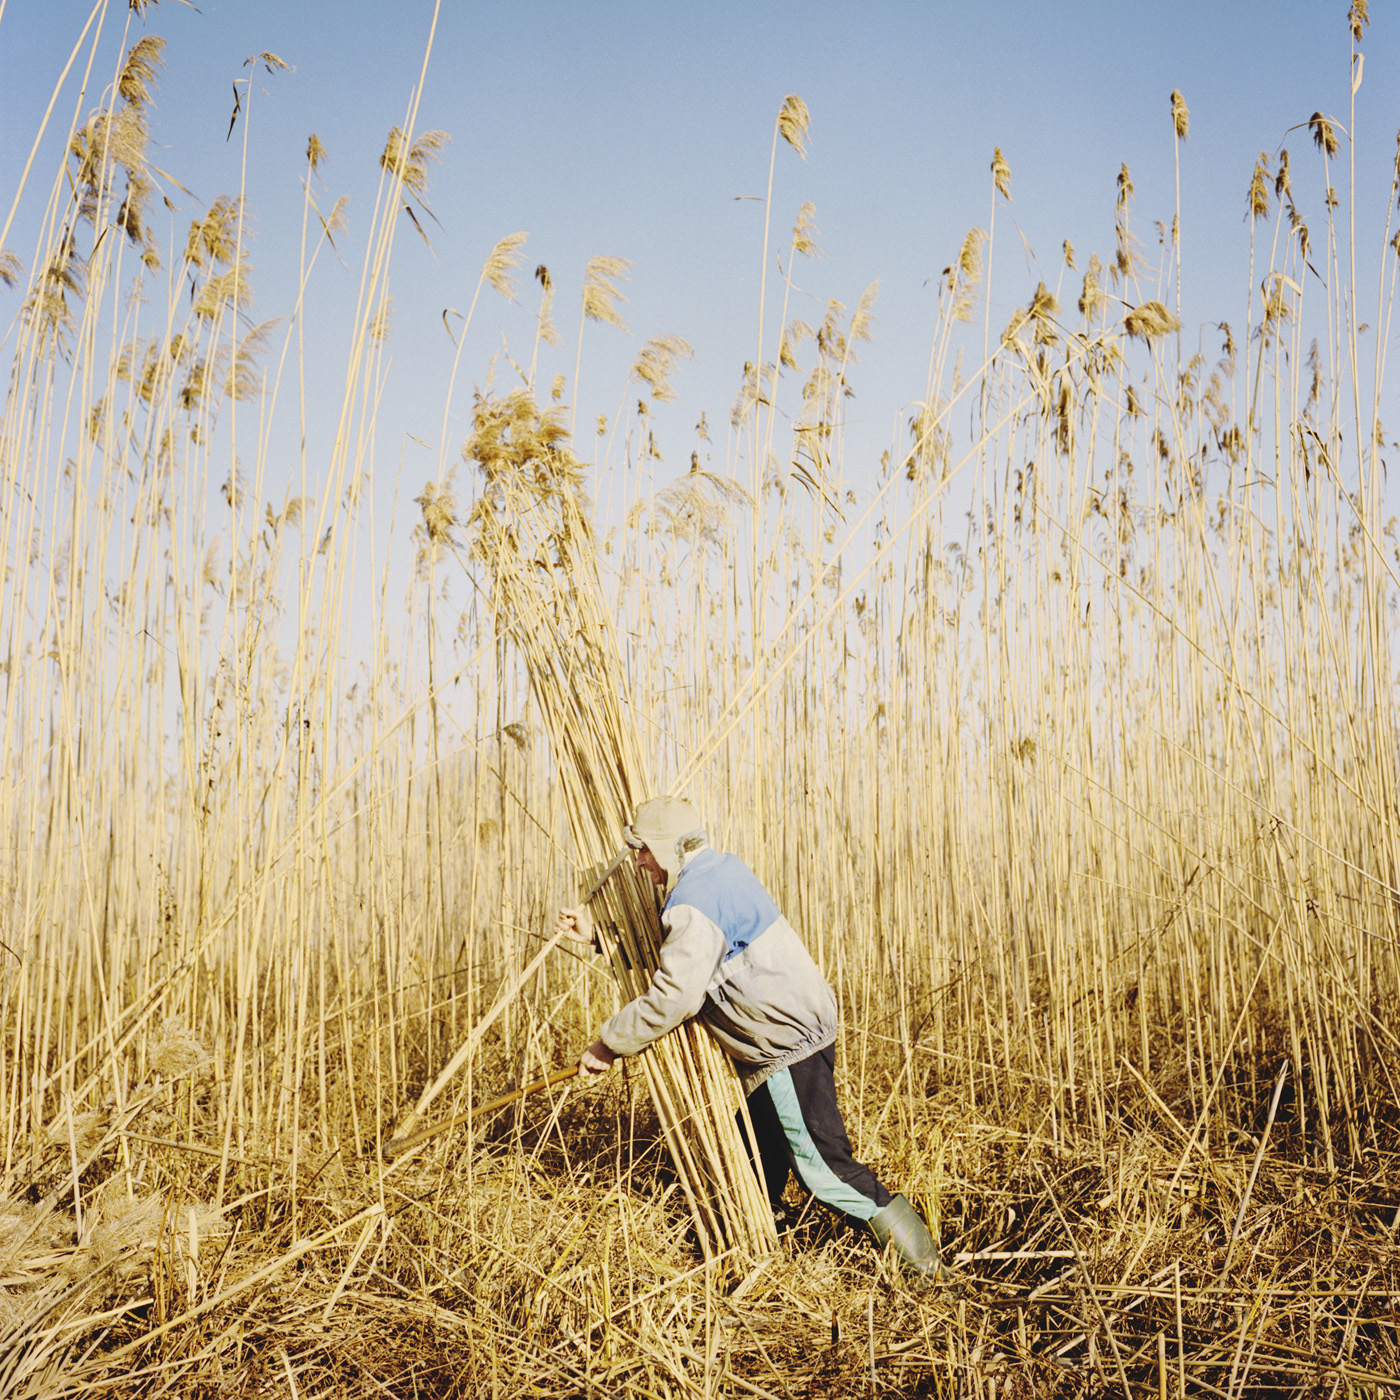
(638, 130)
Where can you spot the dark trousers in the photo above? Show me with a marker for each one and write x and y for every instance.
(798, 1127)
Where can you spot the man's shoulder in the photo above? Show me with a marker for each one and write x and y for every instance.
(709, 867)
(726, 890)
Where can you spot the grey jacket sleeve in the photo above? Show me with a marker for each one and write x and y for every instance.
(690, 956)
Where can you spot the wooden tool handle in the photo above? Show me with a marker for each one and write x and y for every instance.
(398, 1146)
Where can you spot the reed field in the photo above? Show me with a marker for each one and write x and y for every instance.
(1065, 734)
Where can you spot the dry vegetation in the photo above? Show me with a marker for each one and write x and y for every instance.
(1086, 800)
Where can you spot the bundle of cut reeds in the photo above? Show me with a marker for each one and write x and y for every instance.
(530, 531)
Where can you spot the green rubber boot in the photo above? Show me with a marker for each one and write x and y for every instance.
(899, 1228)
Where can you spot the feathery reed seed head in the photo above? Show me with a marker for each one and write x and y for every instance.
(804, 234)
(1043, 305)
(1259, 188)
(1011, 335)
(600, 292)
(1323, 133)
(932, 443)
(213, 239)
(223, 289)
(108, 140)
(524, 456)
(1181, 118)
(175, 1050)
(1277, 306)
(1150, 320)
(62, 274)
(863, 317)
(409, 163)
(696, 506)
(544, 322)
(790, 341)
(970, 254)
(1001, 174)
(270, 61)
(242, 381)
(656, 362)
(138, 74)
(793, 120)
(502, 263)
(439, 508)
(1125, 185)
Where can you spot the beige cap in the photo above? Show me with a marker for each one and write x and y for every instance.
(661, 822)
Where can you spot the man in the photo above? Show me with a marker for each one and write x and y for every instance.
(731, 957)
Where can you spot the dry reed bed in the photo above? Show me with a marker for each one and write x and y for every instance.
(1085, 799)
(558, 1259)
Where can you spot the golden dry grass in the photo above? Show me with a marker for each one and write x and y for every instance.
(1086, 805)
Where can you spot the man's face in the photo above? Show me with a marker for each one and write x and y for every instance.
(648, 863)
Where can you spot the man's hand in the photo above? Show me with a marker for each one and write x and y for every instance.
(575, 924)
(597, 1059)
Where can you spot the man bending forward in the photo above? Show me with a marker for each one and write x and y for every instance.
(731, 957)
